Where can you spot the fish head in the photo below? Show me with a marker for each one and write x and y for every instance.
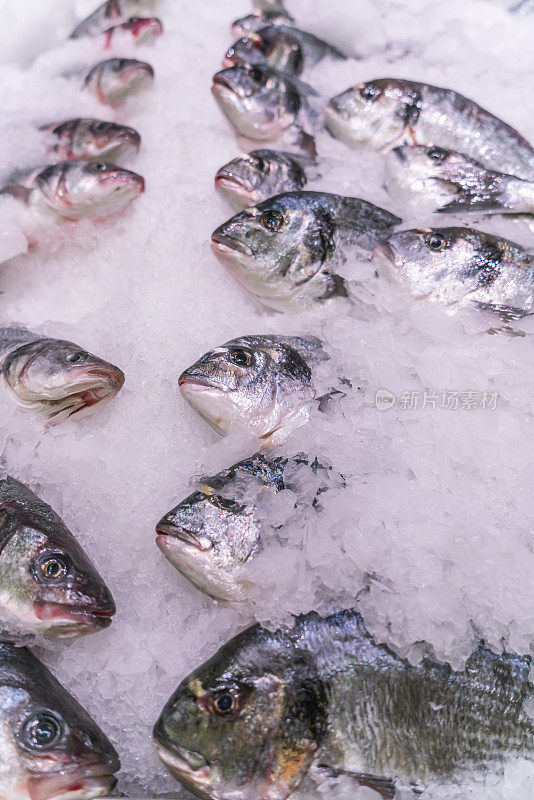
(250, 49)
(78, 189)
(53, 749)
(254, 383)
(143, 29)
(258, 20)
(419, 168)
(255, 176)
(246, 724)
(54, 589)
(274, 248)
(258, 101)
(374, 114)
(114, 80)
(94, 138)
(59, 379)
(269, 46)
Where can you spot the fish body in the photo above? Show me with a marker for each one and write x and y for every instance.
(141, 30)
(258, 175)
(322, 697)
(48, 585)
(457, 183)
(115, 80)
(50, 748)
(264, 104)
(111, 12)
(78, 189)
(462, 266)
(53, 377)
(284, 250)
(386, 113)
(260, 384)
(260, 19)
(83, 138)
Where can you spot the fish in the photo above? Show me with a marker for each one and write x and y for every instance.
(84, 138)
(285, 249)
(141, 30)
(457, 183)
(259, 384)
(264, 104)
(50, 748)
(462, 266)
(388, 112)
(78, 189)
(320, 697)
(260, 174)
(53, 377)
(224, 524)
(49, 586)
(111, 11)
(260, 19)
(115, 80)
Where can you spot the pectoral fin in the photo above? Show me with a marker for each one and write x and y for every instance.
(384, 786)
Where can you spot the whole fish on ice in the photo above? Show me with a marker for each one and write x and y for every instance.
(260, 384)
(285, 250)
(260, 174)
(83, 138)
(462, 266)
(111, 12)
(115, 80)
(388, 112)
(48, 585)
(55, 378)
(50, 748)
(321, 698)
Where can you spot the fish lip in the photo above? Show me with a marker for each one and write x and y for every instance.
(99, 775)
(166, 534)
(220, 82)
(91, 618)
(219, 241)
(385, 251)
(201, 381)
(178, 760)
(234, 180)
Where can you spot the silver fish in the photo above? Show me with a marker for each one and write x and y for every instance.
(83, 138)
(285, 250)
(53, 377)
(264, 104)
(48, 585)
(260, 174)
(260, 384)
(113, 81)
(321, 698)
(457, 183)
(260, 19)
(78, 189)
(141, 30)
(50, 748)
(388, 112)
(111, 12)
(462, 266)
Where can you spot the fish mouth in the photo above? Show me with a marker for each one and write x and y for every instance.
(199, 383)
(220, 243)
(228, 179)
(70, 621)
(191, 769)
(95, 386)
(333, 109)
(94, 780)
(222, 84)
(386, 252)
(169, 535)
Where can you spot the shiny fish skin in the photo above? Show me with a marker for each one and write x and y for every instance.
(111, 12)
(322, 697)
(258, 175)
(462, 266)
(284, 250)
(115, 80)
(48, 585)
(50, 748)
(83, 138)
(260, 384)
(387, 112)
(53, 377)
(457, 183)
(258, 20)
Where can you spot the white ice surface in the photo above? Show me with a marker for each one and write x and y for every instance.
(436, 523)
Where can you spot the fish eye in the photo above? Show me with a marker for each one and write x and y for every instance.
(436, 242)
(224, 704)
(272, 220)
(42, 731)
(437, 154)
(52, 568)
(370, 92)
(100, 167)
(240, 357)
(75, 358)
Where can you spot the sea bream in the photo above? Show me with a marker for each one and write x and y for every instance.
(115, 80)
(285, 250)
(455, 182)
(462, 266)
(322, 698)
(76, 189)
(53, 377)
(260, 384)
(264, 104)
(48, 585)
(111, 12)
(140, 30)
(260, 19)
(225, 523)
(260, 174)
(85, 138)
(388, 112)
(50, 748)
